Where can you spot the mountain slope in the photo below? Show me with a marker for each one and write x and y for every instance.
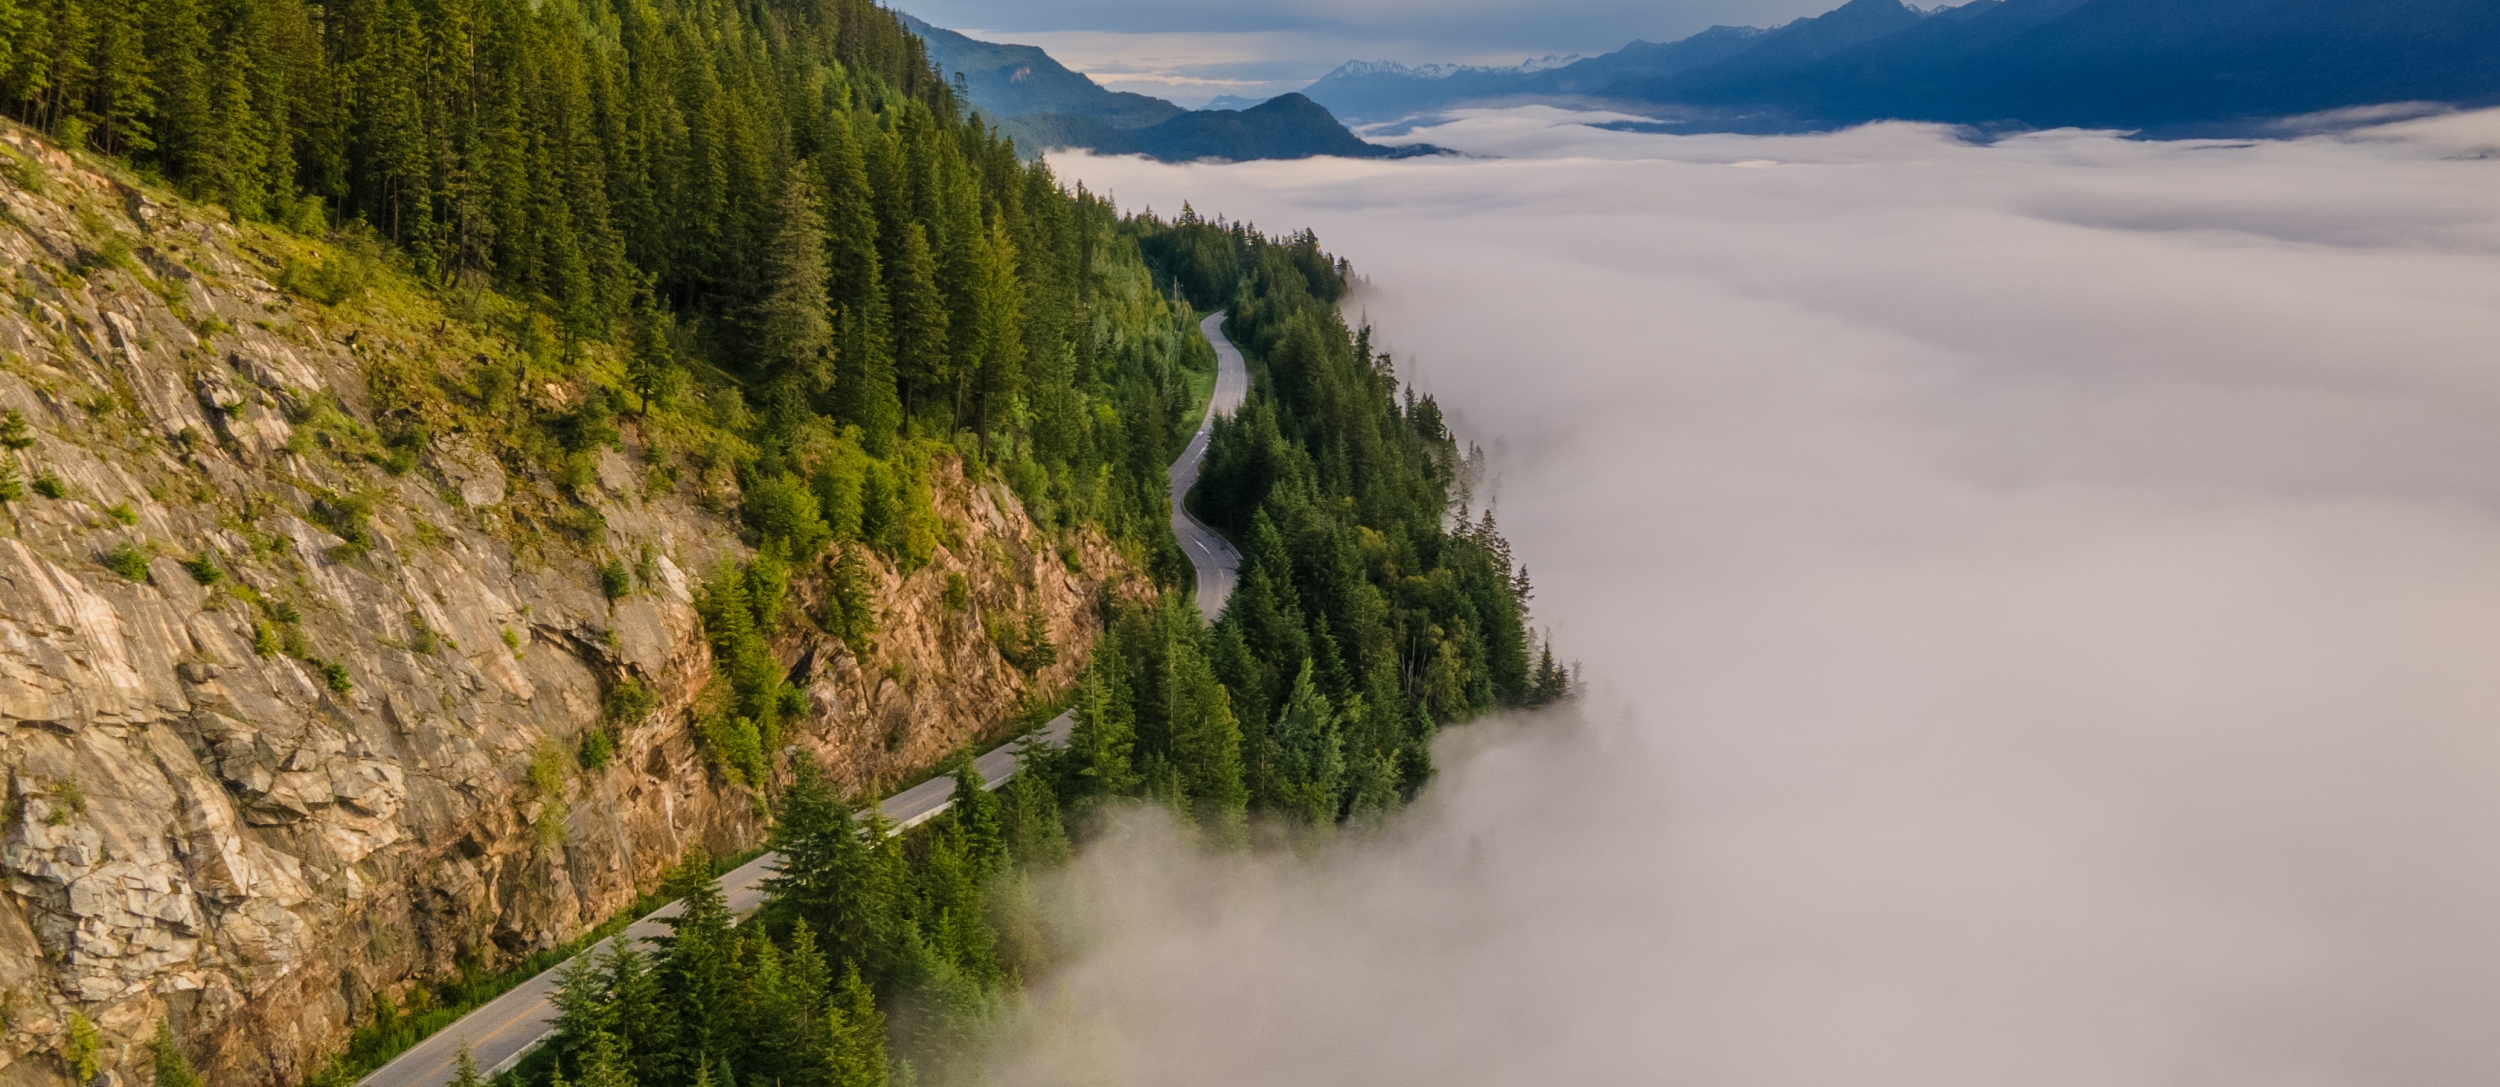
(1012, 80)
(1386, 90)
(1800, 44)
(1040, 105)
(325, 686)
(1288, 126)
(1648, 59)
(1371, 91)
(2167, 65)
(2214, 65)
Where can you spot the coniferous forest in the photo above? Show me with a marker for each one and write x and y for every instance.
(772, 228)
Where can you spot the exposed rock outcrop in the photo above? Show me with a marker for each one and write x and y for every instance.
(250, 805)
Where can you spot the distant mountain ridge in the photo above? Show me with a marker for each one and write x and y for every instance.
(1010, 80)
(2170, 66)
(1042, 105)
(1288, 126)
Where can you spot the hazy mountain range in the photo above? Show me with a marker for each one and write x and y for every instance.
(2163, 66)
(1042, 105)
(2147, 64)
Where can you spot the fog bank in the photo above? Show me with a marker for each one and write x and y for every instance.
(2041, 603)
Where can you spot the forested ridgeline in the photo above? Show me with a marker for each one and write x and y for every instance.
(1361, 624)
(783, 194)
(768, 238)
(768, 233)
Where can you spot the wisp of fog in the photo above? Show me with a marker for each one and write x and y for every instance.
(2040, 607)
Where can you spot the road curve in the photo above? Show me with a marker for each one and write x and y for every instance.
(1218, 565)
(505, 1029)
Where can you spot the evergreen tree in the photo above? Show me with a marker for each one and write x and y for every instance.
(978, 820)
(1000, 356)
(920, 327)
(1105, 731)
(123, 98)
(173, 1069)
(836, 875)
(1036, 835)
(1310, 758)
(650, 363)
(855, 1053)
(795, 330)
(701, 970)
(603, 1063)
(464, 1073)
(1204, 739)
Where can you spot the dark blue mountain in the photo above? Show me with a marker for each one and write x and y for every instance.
(2170, 66)
(1369, 91)
(2163, 66)
(1380, 90)
(1042, 105)
(1287, 126)
(1646, 60)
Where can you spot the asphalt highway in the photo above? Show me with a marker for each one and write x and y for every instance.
(1218, 565)
(506, 1029)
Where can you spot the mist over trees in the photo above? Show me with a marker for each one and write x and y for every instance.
(1367, 615)
(772, 234)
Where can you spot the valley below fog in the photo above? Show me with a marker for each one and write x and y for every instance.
(2038, 609)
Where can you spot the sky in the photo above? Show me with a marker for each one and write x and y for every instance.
(2037, 608)
(1191, 50)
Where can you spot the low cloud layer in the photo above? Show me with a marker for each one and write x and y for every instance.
(2041, 604)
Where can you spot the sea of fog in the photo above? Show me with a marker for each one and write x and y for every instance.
(2040, 607)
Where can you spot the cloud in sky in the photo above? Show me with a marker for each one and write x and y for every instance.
(1191, 49)
(2039, 601)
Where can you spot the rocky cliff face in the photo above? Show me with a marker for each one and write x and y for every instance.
(269, 712)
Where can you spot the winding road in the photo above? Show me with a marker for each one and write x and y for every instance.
(505, 1029)
(1218, 565)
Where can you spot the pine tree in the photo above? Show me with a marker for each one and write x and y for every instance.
(978, 820)
(1105, 732)
(177, 48)
(464, 1073)
(794, 328)
(1309, 752)
(173, 1069)
(1037, 836)
(806, 973)
(1001, 355)
(639, 1013)
(583, 1004)
(855, 1055)
(864, 392)
(650, 363)
(124, 94)
(920, 327)
(603, 1063)
(700, 972)
(1205, 740)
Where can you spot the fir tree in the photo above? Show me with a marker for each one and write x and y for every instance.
(603, 1063)
(920, 326)
(795, 331)
(1105, 732)
(464, 1072)
(978, 820)
(650, 363)
(855, 1053)
(173, 1068)
(1310, 758)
